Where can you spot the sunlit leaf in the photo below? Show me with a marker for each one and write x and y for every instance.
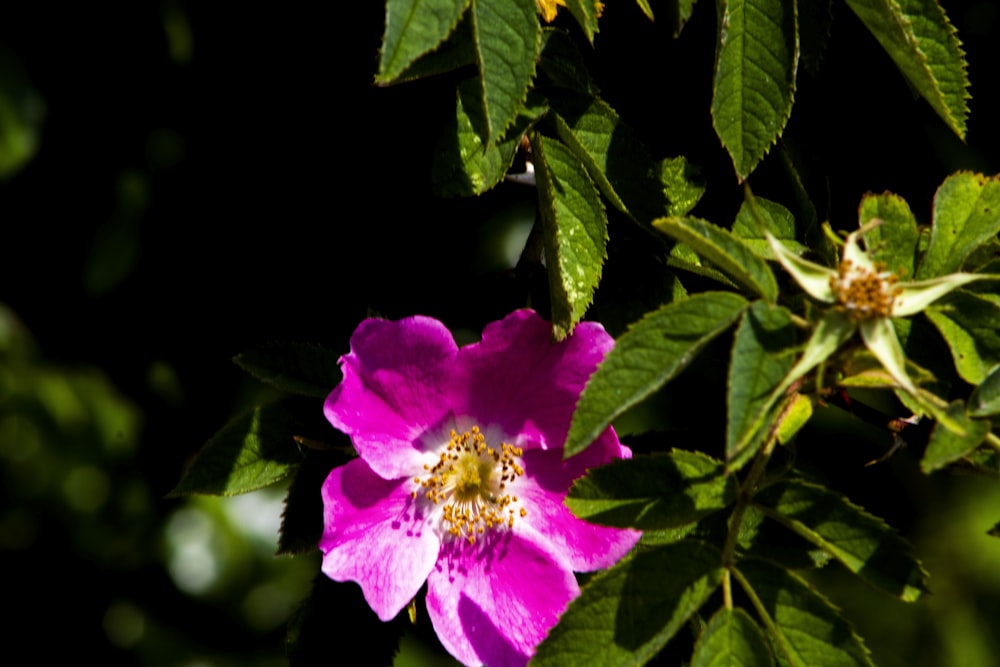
(507, 37)
(760, 215)
(462, 165)
(413, 28)
(966, 215)
(760, 360)
(731, 639)
(626, 614)
(894, 242)
(970, 325)
(653, 492)
(586, 13)
(575, 231)
(647, 356)
(922, 42)
(754, 78)
(249, 453)
(946, 446)
(804, 628)
(865, 544)
(298, 368)
(725, 251)
(631, 180)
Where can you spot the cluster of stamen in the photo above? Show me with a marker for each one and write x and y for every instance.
(469, 482)
(863, 293)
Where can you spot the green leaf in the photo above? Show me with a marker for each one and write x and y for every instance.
(646, 9)
(22, 112)
(562, 63)
(575, 231)
(772, 217)
(969, 324)
(966, 215)
(725, 251)
(731, 639)
(946, 446)
(830, 333)
(462, 166)
(894, 242)
(805, 629)
(754, 77)
(507, 37)
(862, 542)
(626, 614)
(647, 356)
(618, 162)
(985, 399)
(249, 453)
(653, 492)
(413, 28)
(922, 42)
(793, 418)
(298, 368)
(454, 53)
(760, 360)
(586, 13)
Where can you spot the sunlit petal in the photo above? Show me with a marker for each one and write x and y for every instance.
(913, 297)
(880, 337)
(813, 278)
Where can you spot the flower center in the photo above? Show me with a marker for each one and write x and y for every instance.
(862, 293)
(469, 482)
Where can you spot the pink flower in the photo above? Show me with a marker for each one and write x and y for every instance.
(460, 479)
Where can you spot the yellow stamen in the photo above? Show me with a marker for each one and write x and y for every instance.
(468, 482)
(862, 293)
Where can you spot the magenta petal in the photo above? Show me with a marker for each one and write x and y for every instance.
(549, 522)
(396, 380)
(372, 535)
(493, 606)
(518, 379)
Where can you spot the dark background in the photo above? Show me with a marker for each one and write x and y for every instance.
(189, 203)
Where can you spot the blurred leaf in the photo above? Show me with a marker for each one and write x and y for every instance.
(946, 446)
(731, 639)
(894, 242)
(249, 453)
(586, 13)
(985, 399)
(804, 628)
(922, 42)
(774, 218)
(863, 369)
(626, 614)
(575, 231)
(22, 111)
(116, 248)
(865, 544)
(507, 37)
(754, 83)
(760, 360)
(966, 215)
(725, 251)
(618, 162)
(653, 492)
(971, 326)
(647, 356)
(298, 368)
(462, 166)
(646, 9)
(413, 28)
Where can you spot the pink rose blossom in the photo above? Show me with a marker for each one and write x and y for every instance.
(460, 479)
